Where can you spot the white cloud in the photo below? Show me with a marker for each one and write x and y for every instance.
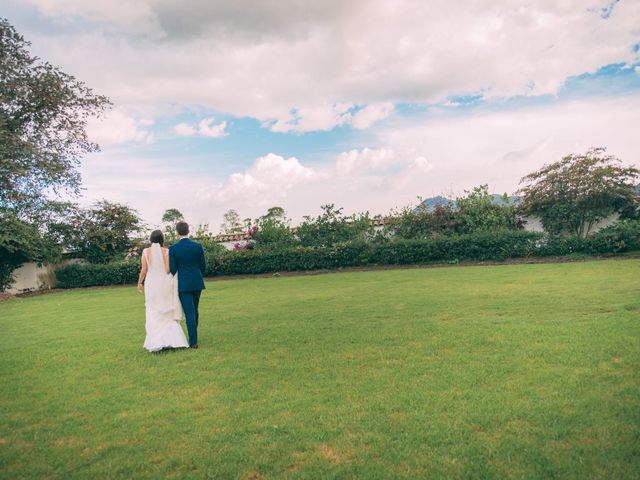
(184, 130)
(132, 16)
(437, 156)
(500, 147)
(269, 179)
(206, 128)
(326, 117)
(365, 160)
(149, 186)
(371, 114)
(119, 127)
(309, 119)
(251, 60)
(421, 164)
(303, 67)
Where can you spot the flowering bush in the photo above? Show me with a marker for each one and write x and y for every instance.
(243, 246)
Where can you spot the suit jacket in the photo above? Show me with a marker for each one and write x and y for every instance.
(187, 258)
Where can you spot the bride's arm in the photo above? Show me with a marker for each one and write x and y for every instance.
(165, 256)
(143, 271)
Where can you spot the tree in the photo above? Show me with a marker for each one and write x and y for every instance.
(105, 231)
(272, 230)
(43, 116)
(420, 222)
(231, 222)
(478, 211)
(172, 216)
(201, 231)
(276, 216)
(169, 219)
(333, 227)
(572, 195)
(20, 242)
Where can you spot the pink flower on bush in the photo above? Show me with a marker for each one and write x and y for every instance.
(247, 246)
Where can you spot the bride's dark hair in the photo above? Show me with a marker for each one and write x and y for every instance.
(157, 237)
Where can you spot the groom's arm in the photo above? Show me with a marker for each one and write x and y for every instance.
(203, 262)
(173, 264)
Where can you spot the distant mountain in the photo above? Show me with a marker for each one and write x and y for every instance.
(439, 201)
(433, 202)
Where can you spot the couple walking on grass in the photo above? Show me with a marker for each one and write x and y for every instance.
(167, 295)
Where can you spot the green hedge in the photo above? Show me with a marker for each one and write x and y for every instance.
(93, 274)
(621, 237)
(399, 252)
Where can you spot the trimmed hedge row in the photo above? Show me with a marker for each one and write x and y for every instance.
(399, 252)
(476, 247)
(93, 275)
(621, 237)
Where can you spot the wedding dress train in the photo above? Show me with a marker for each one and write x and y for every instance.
(162, 304)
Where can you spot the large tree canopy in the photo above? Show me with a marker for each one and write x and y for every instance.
(104, 231)
(43, 114)
(572, 195)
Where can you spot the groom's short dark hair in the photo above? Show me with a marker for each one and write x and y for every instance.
(182, 228)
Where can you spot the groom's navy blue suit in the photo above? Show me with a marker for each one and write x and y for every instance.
(187, 258)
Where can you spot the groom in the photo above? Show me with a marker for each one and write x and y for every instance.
(187, 258)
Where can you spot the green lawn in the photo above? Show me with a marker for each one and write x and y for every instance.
(522, 371)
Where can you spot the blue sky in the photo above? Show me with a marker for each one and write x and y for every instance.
(366, 105)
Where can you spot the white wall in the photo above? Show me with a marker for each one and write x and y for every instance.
(535, 225)
(231, 244)
(30, 277)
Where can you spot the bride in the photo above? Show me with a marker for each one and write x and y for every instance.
(162, 305)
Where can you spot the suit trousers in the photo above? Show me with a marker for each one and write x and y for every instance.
(189, 301)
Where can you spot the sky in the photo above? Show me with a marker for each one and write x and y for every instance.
(366, 105)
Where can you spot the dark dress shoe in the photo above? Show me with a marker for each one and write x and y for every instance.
(194, 346)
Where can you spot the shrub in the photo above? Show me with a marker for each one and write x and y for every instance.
(104, 232)
(573, 194)
(210, 246)
(92, 275)
(478, 211)
(476, 247)
(623, 236)
(332, 227)
(421, 222)
(269, 234)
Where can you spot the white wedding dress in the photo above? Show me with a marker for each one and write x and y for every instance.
(162, 304)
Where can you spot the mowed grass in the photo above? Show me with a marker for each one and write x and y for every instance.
(523, 371)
